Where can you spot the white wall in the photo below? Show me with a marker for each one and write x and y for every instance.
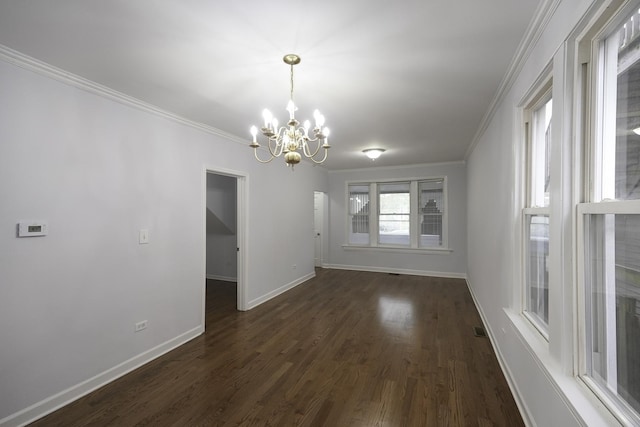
(450, 264)
(221, 229)
(99, 171)
(540, 373)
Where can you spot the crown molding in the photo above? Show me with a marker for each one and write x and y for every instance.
(536, 27)
(382, 168)
(29, 63)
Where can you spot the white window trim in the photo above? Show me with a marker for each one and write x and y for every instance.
(537, 96)
(536, 211)
(397, 249)
(598, 189)
(413, 248)
(377, 214)
(573, 84)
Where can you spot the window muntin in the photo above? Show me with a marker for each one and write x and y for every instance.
(431, 212)
(609, 226)
(359, 214)
(394, 204)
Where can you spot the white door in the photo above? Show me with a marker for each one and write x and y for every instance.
(318, 220)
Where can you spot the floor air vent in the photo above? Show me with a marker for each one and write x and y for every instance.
(479, 331)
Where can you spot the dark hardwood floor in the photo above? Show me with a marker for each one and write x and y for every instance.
(344, 349)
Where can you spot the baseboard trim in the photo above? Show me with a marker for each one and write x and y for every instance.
(282, 289)
(57, 401)
(442, 274)
(221, 278)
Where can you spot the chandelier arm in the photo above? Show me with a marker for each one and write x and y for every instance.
(326, 151)
(313, 138)
(255, 153)
(274, 150)
(307, 151)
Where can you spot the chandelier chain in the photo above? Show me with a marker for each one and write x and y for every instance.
(291, 82)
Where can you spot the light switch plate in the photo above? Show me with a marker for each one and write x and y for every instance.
(143, 238)
(32, 228)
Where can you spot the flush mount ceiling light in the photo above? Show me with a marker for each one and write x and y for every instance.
(373, 153)
(292, 139)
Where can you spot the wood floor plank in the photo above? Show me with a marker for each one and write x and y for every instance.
(346, 348)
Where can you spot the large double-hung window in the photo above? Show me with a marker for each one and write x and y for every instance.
(609, 222)
(538, 121)
(398, 214)
(394, 219)
(358, 222)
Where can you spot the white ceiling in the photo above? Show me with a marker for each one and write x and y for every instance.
(414, 77)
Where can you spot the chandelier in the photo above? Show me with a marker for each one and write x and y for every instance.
(292, 139)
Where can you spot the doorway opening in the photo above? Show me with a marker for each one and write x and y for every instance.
(224, 230)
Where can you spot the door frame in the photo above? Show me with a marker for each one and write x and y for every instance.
(242, 182)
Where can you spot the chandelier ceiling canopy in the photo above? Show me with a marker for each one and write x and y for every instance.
(292, 140)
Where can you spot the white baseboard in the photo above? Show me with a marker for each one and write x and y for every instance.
(57, 401)
(221, 278)
(397, 271)
(260, 300)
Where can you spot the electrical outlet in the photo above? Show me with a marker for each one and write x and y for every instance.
(140, 326)
(294, 266)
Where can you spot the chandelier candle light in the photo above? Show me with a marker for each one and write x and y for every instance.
(292, 139)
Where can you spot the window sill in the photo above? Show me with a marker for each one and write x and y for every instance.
(398, 249)
(529, 333)
(536, 325)
(583, 403)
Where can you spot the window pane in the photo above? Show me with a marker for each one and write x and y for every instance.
(539, 162)
(393, 221)
(537, 255)
(621, 145)
(612, 264)
(359, 214)
(431, 204)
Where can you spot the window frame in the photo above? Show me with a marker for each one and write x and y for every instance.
(444, 215)
(379, 213)
(351, 215)
(414, 228)
(537, 98)
(596, 199)
(618, 407)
